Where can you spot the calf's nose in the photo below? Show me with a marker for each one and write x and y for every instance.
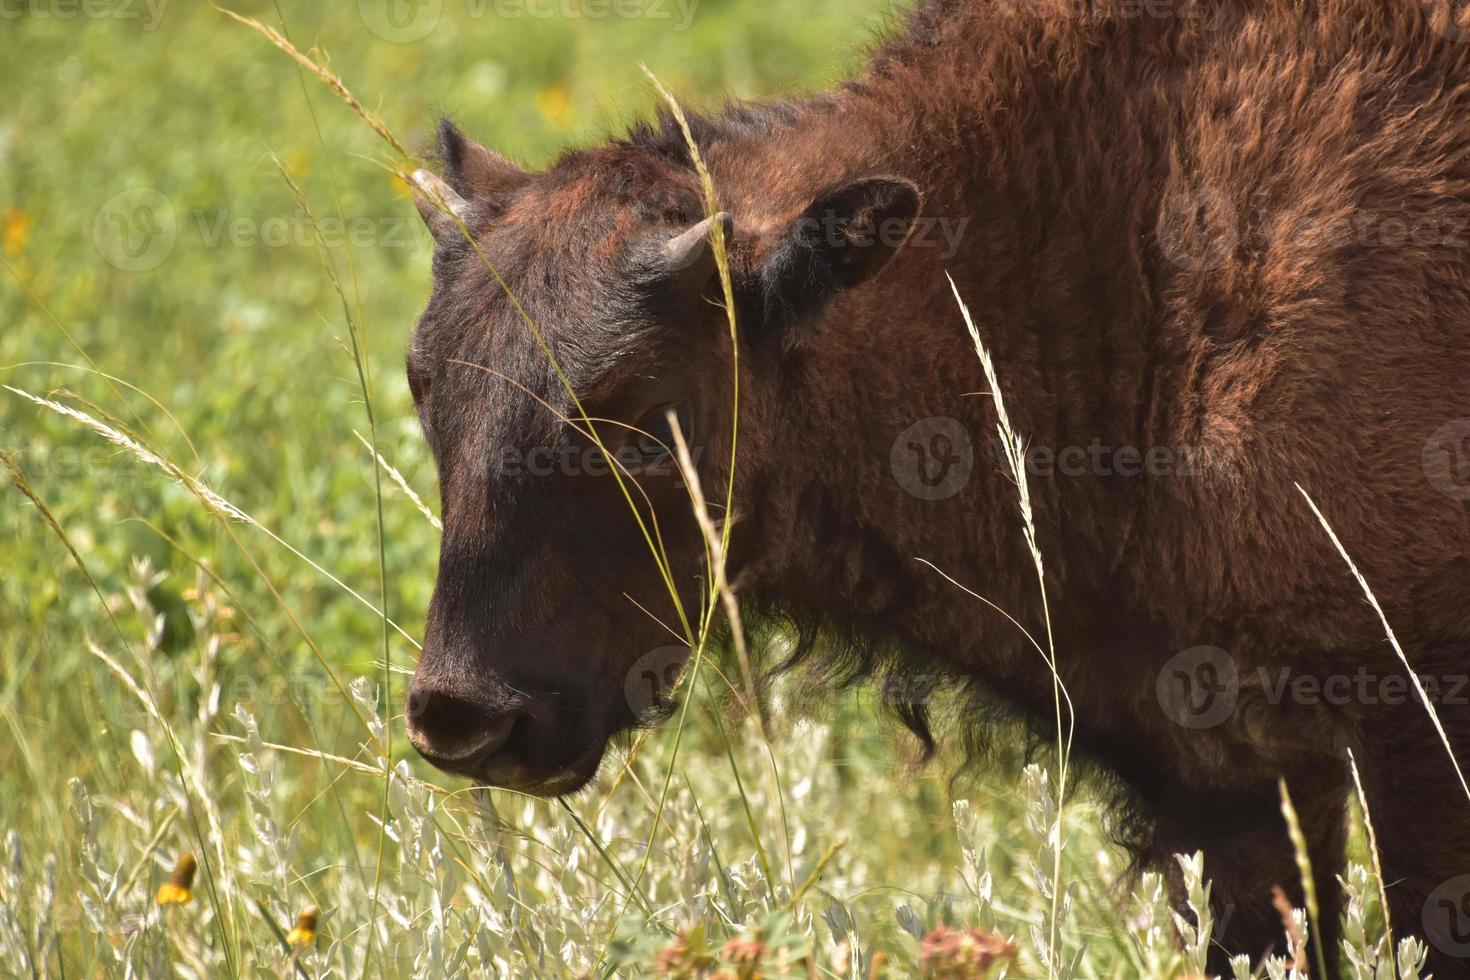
(446, 727)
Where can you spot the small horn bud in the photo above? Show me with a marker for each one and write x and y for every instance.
(442, 209)
(688, 254)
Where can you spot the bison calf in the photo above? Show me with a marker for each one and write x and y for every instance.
(1216, 249)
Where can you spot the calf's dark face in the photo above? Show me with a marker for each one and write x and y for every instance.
(573, 323)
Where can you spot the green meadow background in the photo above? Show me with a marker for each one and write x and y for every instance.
(159, 272)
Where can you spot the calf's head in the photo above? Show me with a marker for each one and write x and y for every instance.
(574, 317)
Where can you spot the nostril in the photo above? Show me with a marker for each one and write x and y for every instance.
(451, 728)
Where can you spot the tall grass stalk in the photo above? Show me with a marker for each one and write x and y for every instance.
(1424, 697)
(18, 480)
(718, 546)
(1015, 449)
(1373, 854)
(213, 501)
(1304, 871)
(722, 264)
(225, 513)
(359, 361)
(327, 76)
(402, 483)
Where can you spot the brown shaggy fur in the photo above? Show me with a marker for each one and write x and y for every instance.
(1181, 232)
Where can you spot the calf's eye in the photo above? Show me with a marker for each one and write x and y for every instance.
(655, 441)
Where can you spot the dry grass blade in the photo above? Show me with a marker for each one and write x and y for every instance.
(341, 760)
(1304, 870)
(328, 78)
(206, 495)
(128, 681)
(1424, 697)
(1373, 853)
(816, 872)
(116, 436)
(402, 483)
(18, 480)
(1015, 448)
(716, 544)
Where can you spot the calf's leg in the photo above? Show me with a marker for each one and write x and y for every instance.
(1421, 814)
(1248, 852)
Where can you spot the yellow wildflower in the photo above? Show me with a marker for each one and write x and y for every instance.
(17, 230)
(556, 106)
(177, 892)
(298, 163)
(304, 932)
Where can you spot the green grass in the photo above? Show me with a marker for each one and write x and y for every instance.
(256, 741)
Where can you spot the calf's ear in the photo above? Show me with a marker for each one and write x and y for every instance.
(475, 184)
(474, 172)
(842, 239)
